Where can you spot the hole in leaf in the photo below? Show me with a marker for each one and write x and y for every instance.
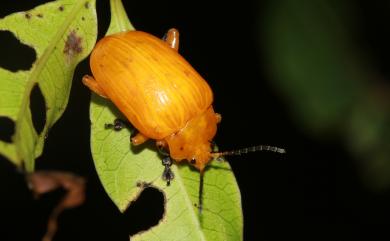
(14, 54)
(11, 6)
(146, 211)
(7, 129)
(38, 109)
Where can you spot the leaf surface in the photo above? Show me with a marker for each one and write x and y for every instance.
(62, 33)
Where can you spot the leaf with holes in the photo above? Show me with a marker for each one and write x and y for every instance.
(62, 33)
(125, 171)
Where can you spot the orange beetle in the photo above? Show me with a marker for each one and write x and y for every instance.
(162, 96)
(159, 92)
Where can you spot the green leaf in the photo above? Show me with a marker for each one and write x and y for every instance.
(62, 33)
(119, 20)
(125, 171)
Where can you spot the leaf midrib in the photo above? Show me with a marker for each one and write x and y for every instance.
(189, 204)
(118, 13)
(37, 69)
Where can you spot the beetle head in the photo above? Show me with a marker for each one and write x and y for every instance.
(192, 142)
(201, 156)
(197, 154)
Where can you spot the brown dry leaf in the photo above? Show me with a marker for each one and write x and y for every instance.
(41, 182)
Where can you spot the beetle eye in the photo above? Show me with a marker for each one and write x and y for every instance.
(193, 161)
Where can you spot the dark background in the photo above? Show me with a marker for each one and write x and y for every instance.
(313, 192)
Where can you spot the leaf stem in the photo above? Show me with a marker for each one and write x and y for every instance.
(119, 20)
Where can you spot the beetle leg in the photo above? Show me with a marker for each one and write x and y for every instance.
(172, 38)
(219, 117)
(91, 83)
(162, 147)
(167, 173)
(161, 144)
(138, 139)
(117, 125)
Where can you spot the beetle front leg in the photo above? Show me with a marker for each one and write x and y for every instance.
(93, 85)
(172, 38)
(162, 147)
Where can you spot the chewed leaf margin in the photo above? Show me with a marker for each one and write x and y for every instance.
(62, 33)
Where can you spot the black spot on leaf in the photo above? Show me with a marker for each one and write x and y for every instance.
(40, 15)
(14, 54)
(38, 109)
(7, 129)
(61, 8)
(146, 211)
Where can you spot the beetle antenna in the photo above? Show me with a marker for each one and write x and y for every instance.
(249, 149)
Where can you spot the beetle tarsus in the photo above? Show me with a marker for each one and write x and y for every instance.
(117, 125)
(167, 161)
(167, 173)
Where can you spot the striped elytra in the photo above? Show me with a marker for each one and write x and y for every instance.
(158, 91)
